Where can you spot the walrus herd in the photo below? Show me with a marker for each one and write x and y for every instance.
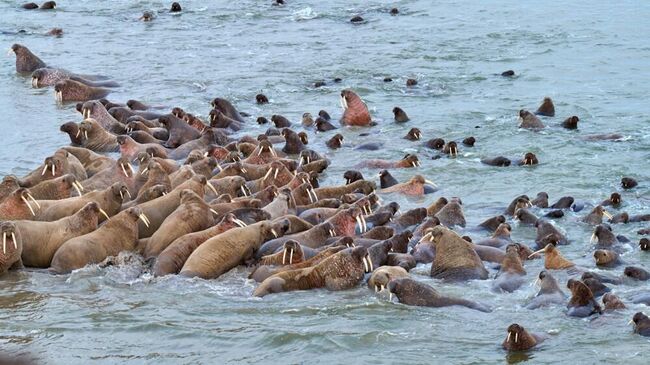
(198, 197)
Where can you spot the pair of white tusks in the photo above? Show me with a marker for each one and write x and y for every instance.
(243, 190)
(367, 263)
(415, 163)
(379, 288)
(516, 337)
(29, 205)
(304, 158)
(211, 187)
(275, 234)
(4, 241)
(312, 195)
(79, 132)
(275, 176)
(428, 236)
(34, 82)
(85, 113)
(367, 209)
(130, 168)
(606, 214)
(270, 150)
(453, 151)
(144, 219)
(127, 193)
(78, 187)
(362, 224)
(344, 103)
(58, 95)
(284, 257)
(332, 233)
(418, 135)
(45, 169)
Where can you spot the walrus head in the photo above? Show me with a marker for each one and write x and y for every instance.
(119, 191)
(291, 249)
(615, 198)
(26, 61)
(360, 255)
(54, 163)
(518, 339)
(451, 148)
(469, 141)
(355, 111)
(21, 198)
(48, 5)
(410, 161)
(91, 211)
(636, 273)
(147, 16)
(413, 134)
(436, 143)
(628, 183)
(640, 318)
(336, 141)
(135, 214)
(351, 176)
(644, 244)
(9, 240)
(8, 185)
(275, 230)
(529, 159)
(176, 7)
(124, 165)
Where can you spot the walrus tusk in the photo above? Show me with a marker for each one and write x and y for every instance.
(593, 238)
(347, 181)
(214, 211)
(219, 167)
(4, 242)
(516, 336)
(124, 170)
(315, 196)
(34, 200)
(243, 170)
(311, 199)
(164, 193)
(365, 225)
(260, 151)
(144, 171)
(360, 224)
(267, 174)
(121, 195)
(536, 252)
(44, 169)
(272, 150)
(242, 190)
(131, 168)
(28, 205)
(428, 235)
(78, 133)
(277, 171)
(86, 134)
(606, 214)
(431, 183)
(274, 233)
(240, 223)
(128, 193)
(376, 288)
(508, 339)
(369, 263)
(144, 219)
(209, 184)
(365, 264)
(390, 296)
(284, 256)
(536, 281)
(104, 213)
(291, 257)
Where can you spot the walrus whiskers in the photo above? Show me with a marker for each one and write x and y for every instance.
(211, 187)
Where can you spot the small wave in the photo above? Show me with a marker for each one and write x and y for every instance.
(304, 14)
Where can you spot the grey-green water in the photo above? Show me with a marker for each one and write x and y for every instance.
(591, 57)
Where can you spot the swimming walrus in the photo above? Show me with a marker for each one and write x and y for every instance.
(12, 246)
(455, 259)
(70, 90)
(412, 292)
(582, 302)
(416, 186)
(26, 61)
(549, 292)
(355, 111)
(42, 239)
(519, 339)
(220, 254)
(340, 271)
(118, 234)
(382, 275)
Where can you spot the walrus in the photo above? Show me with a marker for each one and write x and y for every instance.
(293, 142)
(582, 302)
(95, 138)
(553, 259)
(221, 253)
(42, 239)
(641, 324)
(8, 185)
(524, 216)
(607, 258)
(26, 61)
(97, 111)
(157, 133)
(499, 161)
(510, 276)
(351, 176)
(44, 77)
(407, 161)
(455, 259)
(323, 125)
(519, 339)
(118, 234)
(307, 120)
(451, 214)
(549, 292)
(411, 292)
(314, 237)
(355, 111)
(644, 244)
(18, 206)
(227, 109)
(571, 122)
(92, 162)
(119, 171)
(416, 186)
(12, 247)
(382, 275)
(595, 217)
(179, 131)
(435, 143)
(528, 120)
(636, 273)
(628, 183)
(155, 175)
(130, 149)
(109, 200)
(451, 148)
(614, 200)
(469, 141)
(291, 253)
(546, 109)
(70, 90)
(175, 8)
(147, 194)
(192, 215)
(544, 229)
(413, 134)
(522, 201)
(612, 302)
(541, 200)
(340, 271)
(72, 130)
(59, 188)
(59, 164)
(500, 237)
(173, 257)
(490, 224)
(220, 120)
(400, 115)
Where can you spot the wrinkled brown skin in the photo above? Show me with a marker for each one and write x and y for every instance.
(55, 189)
(382, 275)
(172, 258)
(130, 149)
(108, 199)
(403, 260)
(313, 238)
(231, 185)
(156, 175)
(222, 253)
(279, 206)
(261, 273)
(528, 120)
(42, 239)
(547, 108)
(192, 215)
(581, 296)
(8, 185)
(285, 257)
(14, 208)
(119, 234)
(77, 91)
(553, 260)
(357, 112)
(595, 217)
(95, 138)
(64, 163)
(606, 258)
(340, 271)
(455, 258)
(524, 339)
(409, 161)
(612, 302)
(72, 129)
(92, 162)
(10, 259)
(159, 209)
(335, 192)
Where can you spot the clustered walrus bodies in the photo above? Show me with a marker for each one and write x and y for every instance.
(203, 202)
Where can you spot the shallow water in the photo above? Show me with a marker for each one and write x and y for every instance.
(589, 56)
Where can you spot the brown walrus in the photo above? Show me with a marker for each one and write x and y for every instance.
(221, 253)
(451, 214)
(455, 258)
(261, 273)
(192, 215)
(607, 258)
(12, 247)
(291, 253)
(612, 302)
(18, 206)
(70, 90)
(510, 276)
(8, 185)
(42, 239)
(92, 162)
(411, 292)
(596, 215)
(415, 186)
(528, 120)
(26, 61)
(641, 324)
(382, 275)
(547, 108)
(407, 162)
(59, 188)
(553, 259)
(355, 111)
(340, 271)
(95, 138)
(72, 130)
(118, 234)
(519, 339)
(582, 302)
(172, 258)
(109, 200)
(57, 165)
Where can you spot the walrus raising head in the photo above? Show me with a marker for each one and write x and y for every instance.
(413, 135)
(628, 183)
(176, 7)
(529, 159)
(335, 142)
(644, 244)
(355, 111)
(641, 324)
(26, 61)
(571, 122)
(69, 90)
(546, 109)
(518, 339)
(400, 115)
